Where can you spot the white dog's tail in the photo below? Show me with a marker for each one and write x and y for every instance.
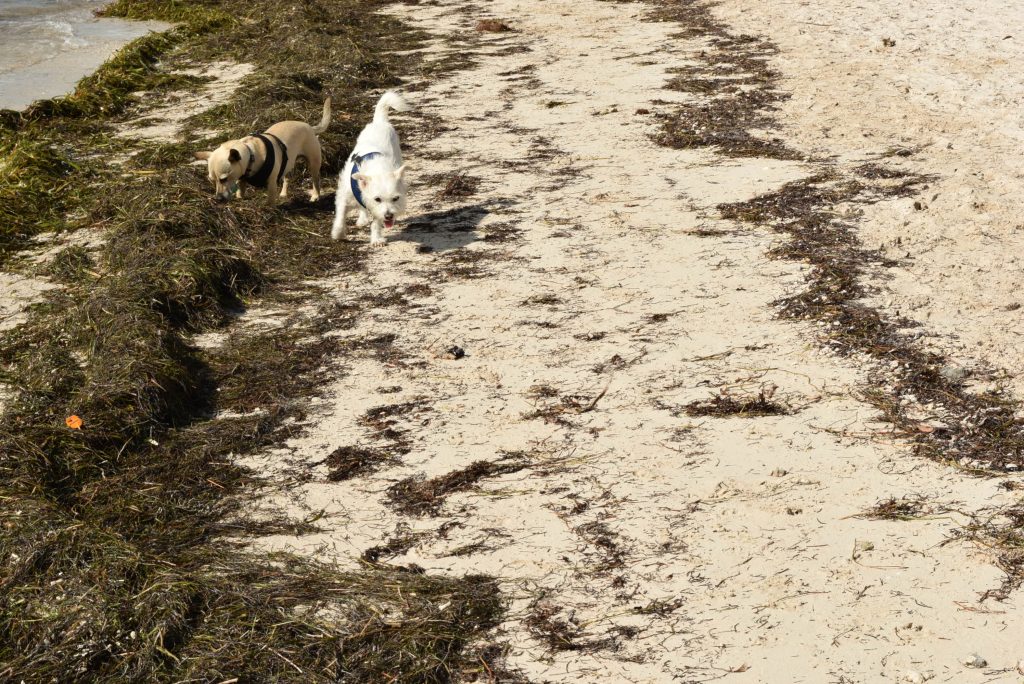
(391, 99)
(325, 120)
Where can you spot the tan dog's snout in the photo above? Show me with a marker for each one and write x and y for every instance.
(224, 168)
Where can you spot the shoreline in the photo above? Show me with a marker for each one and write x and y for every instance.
(58, 75)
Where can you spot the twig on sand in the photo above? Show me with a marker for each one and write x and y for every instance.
(591, 405)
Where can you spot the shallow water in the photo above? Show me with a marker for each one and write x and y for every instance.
(46, 46)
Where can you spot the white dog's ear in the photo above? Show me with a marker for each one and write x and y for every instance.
(203, 154)
(400, 171)
(362, 179)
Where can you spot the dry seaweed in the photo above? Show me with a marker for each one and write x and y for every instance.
(725, 404)
(1004, 533)
(421, 496)
(562, 634)
(979, 431)
(557, 412)
(982, 431)
(492, 26)
(600, 535)
(347, 462)
(455, 185)
(906, 508)
(398, 543)
(739, 89)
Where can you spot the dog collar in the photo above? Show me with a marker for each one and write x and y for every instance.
(252, 158)
(356, 161)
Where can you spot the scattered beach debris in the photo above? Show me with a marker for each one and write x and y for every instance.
(907, 508)
(421, 496)
(492, 26)
(975, 660)
(452, 353)
(347, 462)
(726, 404)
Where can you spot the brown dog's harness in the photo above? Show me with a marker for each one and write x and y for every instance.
(262, 175)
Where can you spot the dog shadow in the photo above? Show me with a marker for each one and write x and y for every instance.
(436, 231)
(447, 229)
(300, 204)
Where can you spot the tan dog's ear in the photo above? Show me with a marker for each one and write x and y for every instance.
(362, 179)
(203, 154)
(401, 171)
(234, 155)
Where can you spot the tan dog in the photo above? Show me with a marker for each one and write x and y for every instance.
(265, 160)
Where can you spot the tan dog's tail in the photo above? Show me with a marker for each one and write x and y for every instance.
(326, 120)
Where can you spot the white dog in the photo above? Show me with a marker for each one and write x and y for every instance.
(373, 177)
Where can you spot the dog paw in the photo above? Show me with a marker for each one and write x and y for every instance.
(378, 243)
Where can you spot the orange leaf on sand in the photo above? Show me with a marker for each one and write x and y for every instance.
(74, 422)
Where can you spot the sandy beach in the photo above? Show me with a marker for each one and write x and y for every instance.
(638, 544)
(569, 371)
(947, 88)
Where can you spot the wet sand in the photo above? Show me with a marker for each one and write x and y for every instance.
(48, 47)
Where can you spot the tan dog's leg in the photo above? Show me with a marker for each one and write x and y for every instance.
(284, 187)
(313, 162)
(272, 193)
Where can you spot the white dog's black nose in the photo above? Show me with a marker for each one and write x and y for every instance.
(388, 216)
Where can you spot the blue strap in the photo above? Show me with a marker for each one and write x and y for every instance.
(356, 161)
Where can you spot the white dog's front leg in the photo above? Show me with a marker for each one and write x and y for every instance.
(363, 219)
(340, 202)
(376, 237)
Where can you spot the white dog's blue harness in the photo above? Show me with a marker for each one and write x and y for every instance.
(356, 161)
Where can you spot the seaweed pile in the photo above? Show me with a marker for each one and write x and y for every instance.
(123, 513)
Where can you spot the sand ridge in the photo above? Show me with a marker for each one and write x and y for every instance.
(164, 122)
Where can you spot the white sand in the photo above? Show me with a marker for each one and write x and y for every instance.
(950, 86)
(163, 121)
(634, 516)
